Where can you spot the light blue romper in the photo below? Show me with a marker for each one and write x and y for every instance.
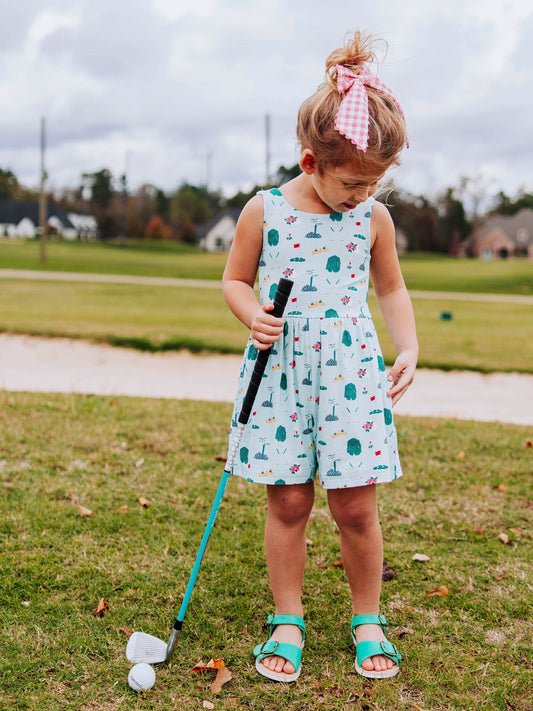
(322, 406)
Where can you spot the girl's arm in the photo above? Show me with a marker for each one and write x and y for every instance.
(393, 300)
(239, 278)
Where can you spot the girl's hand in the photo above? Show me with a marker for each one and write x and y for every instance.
(401, 374)
(266, 329)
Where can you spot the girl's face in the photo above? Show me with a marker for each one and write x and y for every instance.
(341, 189)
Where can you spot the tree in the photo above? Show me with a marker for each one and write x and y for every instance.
(8, 185)
(156, 229)
(454, 227)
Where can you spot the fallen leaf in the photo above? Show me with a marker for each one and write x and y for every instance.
(404, 612)
(123, 509)
(208, 705)
(144, 502)
(404, 631)
(220, 459)
(308, 542)
(529, 444)
(212, 665)
(501, 487)
(127, 631)
(441, 591)
(500, 576)
(222, 677)
(504, 538)
(83, 511)
(139, 463)
(102, 608)
(461, 455)
(388, 573)
(337, 564)
(516, 531)
(421, 557)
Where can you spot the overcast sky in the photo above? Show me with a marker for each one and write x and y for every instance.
(177, 90)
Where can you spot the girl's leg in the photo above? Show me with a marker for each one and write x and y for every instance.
(356, 513)
(285, 548)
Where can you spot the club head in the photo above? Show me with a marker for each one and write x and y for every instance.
(146, 648)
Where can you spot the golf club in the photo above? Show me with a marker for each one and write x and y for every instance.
(144, 647)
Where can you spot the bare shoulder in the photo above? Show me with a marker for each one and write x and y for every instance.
(381, 224)
(253, 211)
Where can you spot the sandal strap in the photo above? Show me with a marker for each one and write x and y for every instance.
(290, 652)
(369, 620)
(275, 620)
(368, 648)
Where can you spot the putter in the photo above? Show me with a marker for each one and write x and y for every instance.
(144, 647)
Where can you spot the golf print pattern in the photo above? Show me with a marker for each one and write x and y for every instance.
(322, 406)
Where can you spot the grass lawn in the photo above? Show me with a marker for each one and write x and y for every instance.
(421, 271)
(481, 336)
(465, 484)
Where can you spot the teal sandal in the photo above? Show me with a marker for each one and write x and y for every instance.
(368, 648)
(290, 652)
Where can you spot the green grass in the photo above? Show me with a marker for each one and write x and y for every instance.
(481, 336)
(468, 650)
(421, 271)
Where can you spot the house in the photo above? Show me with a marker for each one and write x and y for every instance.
(502, 236)
(21, 219)
(217, 234)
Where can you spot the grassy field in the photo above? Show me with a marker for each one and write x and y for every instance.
(465, 484)
(424, 272)
(481, 336)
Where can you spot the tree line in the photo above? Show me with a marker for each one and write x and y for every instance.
(439, 224)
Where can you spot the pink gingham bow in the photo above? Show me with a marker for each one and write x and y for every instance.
(352, 116)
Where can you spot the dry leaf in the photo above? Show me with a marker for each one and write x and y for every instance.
(337, 564)
(441, 591)
(421, 557)
(83, 511)
(123, 509)
(212, 665)
(220, 459)
(404, 631)
(139, 463)
(461, 455)
(500, 576)
(102, 608)
(127, 631)
(222, 677)
(516, 531)
(208, 705)
(388, 573)
(504, 538)
(501, 487)
(404, 612)
(144, 502)
(308, 542)
(529, 444)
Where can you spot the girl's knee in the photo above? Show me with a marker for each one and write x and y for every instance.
(290, 504)
(354, 508)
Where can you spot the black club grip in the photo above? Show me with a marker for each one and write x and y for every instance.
(280, 301)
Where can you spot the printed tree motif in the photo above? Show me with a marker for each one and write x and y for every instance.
(314, 234)
(335, 216)
(261, 454)
(347, 339)
(281, 434)
(350, 391)
(252, 353)
(332, 417)
(334, 471)
(273, 237)
(331, 313)
(268, 403)
(283, 382)
(333, 264)
(353, 447)
(272, 292)
(309, 286)
(244, 455)
(387, 414)
(381, 363)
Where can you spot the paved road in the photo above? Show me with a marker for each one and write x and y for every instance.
(214, 284)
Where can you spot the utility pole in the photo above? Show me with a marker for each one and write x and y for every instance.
(267, 145)
(208, 163)
(42, 199)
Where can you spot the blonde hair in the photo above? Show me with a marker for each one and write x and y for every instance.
(387, 134)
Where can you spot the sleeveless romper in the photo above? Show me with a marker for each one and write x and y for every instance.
(322, 407)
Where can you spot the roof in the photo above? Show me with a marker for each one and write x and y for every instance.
(14, 211)
(232, 212)
(518, 227)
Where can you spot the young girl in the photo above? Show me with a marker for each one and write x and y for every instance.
(324, 408)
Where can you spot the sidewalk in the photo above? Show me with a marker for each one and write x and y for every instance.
(62, 365)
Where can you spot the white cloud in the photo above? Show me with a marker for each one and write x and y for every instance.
(155, 86)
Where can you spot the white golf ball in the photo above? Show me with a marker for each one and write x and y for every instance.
(141, 677)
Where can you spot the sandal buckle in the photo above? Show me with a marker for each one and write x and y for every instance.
(269, 647)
